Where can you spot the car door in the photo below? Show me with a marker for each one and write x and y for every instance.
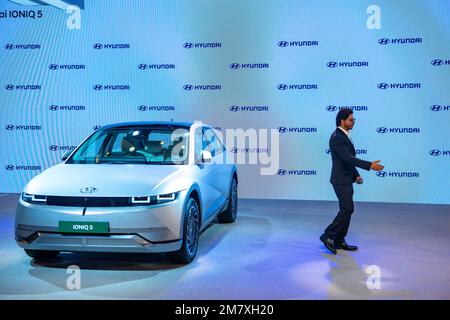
(205, 175)
(203, 171)
(219, 178)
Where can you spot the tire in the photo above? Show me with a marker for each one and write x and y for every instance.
(230, 213)
(41, 254)
(191, 234)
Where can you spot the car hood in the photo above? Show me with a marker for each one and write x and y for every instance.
(112, 180)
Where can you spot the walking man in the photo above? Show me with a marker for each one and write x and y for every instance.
(343, 175)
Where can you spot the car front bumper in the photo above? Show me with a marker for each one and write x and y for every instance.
(155, 228)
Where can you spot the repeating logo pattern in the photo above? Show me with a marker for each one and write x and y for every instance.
(290, 80)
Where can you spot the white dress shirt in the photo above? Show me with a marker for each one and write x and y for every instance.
(347, 133)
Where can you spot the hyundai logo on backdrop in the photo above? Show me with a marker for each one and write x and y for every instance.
(55, 107)
(144, 66)
(249, 66)
(190, 87)
(296, 129)
(296, 172)
(436, 152)
(406, 85)
(334, 64)
(440, 62)
(284, 86)
(155, 108)
(398, 130)
(23, 87)
(99, 46)
(397, 174)
(11, 127)
(191, 45)
(384, 41)
(389, 41)
(99, 87)
(55, 147)
(249, 150)
(332, 108)
(66, 66)
(11, 167)
(10, 46)
(236, 108)
(438, 107)
(303, 43)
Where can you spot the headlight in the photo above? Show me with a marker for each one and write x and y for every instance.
(33, 198)
(166, 197)
(160, 198)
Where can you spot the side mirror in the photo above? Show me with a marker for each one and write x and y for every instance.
(66, 155)
(206, 156)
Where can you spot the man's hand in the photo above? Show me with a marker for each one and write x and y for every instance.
(359, 180)
(375, 166)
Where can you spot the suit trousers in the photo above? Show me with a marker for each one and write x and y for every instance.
(338, 229)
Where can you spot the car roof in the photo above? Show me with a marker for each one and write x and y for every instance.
(186, 125)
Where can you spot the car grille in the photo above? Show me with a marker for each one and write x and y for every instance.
(88, 201)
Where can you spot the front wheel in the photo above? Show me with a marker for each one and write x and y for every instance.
(191, 234)
(230, 213)
(41, 254)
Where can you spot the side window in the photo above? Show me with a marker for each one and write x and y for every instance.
(220, 147)
(117, 147)
(212, 142)
(198, 143)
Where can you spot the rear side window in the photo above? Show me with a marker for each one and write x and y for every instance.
(212, 142)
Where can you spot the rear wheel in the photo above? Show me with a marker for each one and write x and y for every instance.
(230, 213)
(41, 254)
(191, 234)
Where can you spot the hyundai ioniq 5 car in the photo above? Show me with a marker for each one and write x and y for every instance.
(130, 187)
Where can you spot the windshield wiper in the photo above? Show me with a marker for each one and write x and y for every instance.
(113, 162)
(159, 162)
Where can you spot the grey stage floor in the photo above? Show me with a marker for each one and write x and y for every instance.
(271, 252)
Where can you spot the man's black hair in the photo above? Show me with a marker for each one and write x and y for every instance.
(342, 115)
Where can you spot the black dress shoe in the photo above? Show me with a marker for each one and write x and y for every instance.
(345, 246)
(328, 243)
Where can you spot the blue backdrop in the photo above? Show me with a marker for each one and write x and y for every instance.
(285, 65)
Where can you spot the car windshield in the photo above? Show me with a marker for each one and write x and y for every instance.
(139, 145)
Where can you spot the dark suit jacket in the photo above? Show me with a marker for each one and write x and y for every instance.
(343, 154)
